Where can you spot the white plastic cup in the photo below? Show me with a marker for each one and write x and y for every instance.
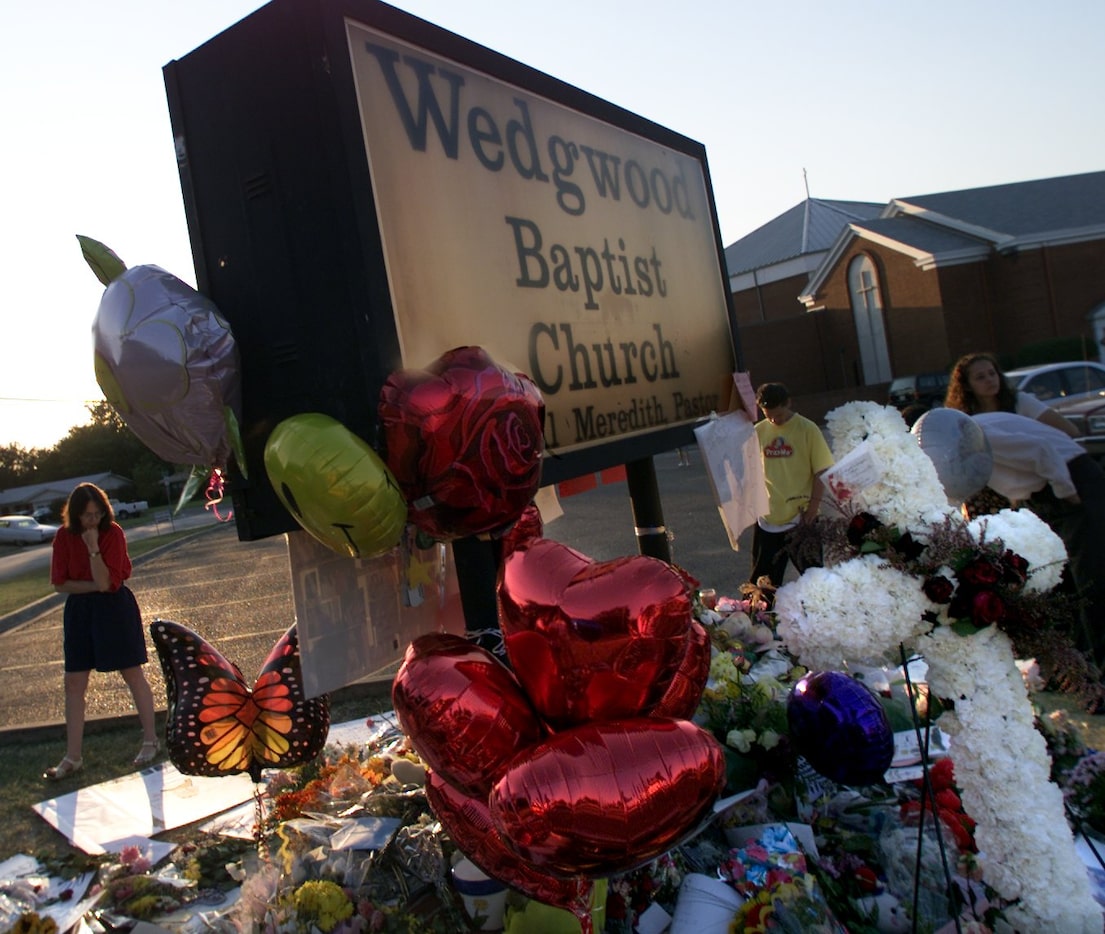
(705, 906)
(484, 898)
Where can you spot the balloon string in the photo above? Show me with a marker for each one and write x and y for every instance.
(214, 494)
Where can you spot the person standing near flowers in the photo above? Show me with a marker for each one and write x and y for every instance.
(795, 455)
(1056, 478)
(102, 623)
(978, 385)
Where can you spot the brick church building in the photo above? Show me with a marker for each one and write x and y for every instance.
(836, 298)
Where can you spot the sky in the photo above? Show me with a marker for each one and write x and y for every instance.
(861, 100)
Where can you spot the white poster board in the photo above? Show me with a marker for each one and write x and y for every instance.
(731, 453)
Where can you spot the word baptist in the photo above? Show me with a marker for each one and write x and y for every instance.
(590, 269)
(499, 143)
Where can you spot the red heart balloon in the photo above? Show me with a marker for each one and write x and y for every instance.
(683, 695)
(528, 526)
(464, 439)
(592, 640)
(462, 710)
(469, 825)
(604, 797)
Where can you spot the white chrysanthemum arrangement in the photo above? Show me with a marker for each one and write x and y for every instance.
(909, 495)
(865, 610)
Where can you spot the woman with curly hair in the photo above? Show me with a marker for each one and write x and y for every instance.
(978, 385)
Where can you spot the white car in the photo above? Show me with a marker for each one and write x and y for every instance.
(1060, 383)
(23, 530)
(1076, 390)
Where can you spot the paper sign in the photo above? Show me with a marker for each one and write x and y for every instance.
(853, 473)
(747, 395)
(731, 452)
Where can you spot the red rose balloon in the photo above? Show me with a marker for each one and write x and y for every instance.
(593, 640)
(464, 438)
(462, 710)
(469, 825)
(604, 797)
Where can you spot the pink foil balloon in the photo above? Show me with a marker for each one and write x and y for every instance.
(462, 710)
(469, 825)
(605, 797)
(592, 640)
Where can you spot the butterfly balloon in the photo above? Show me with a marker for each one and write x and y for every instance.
(217, 725)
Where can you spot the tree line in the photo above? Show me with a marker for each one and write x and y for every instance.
(106, 444)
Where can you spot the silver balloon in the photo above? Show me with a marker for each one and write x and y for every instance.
(167, 361)
(957, 446)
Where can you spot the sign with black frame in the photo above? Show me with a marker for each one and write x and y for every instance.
(366, 191)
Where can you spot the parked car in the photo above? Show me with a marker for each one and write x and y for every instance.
(1076, 390)
(124, 510)
(24, 530)
(927, 389)
(1052, 382)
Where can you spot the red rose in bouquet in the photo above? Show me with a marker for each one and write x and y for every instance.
(464, 439)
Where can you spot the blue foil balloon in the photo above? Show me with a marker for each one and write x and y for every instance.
(838, 724)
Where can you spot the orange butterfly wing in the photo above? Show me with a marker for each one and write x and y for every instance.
(218, 726)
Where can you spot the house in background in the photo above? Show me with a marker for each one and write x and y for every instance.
(913, 285)
(25, 500)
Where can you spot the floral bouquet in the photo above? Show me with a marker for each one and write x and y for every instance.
(916, 578)
(781, 894)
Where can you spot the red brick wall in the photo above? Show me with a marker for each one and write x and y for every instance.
(779, 301)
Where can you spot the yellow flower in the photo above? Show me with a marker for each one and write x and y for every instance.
(769, 739)
(322, 904)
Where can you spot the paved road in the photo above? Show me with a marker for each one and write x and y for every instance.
(238, 594)
(15, 560)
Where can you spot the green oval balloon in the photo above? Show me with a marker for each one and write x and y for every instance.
(335, 485)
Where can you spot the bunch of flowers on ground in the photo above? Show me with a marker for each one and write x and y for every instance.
(955, 586)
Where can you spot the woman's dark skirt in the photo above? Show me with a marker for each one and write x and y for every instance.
(103, 631)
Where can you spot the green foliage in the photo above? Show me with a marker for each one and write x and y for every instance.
(18, 465)
(104, 445)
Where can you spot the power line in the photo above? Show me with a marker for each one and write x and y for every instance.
(54, 401)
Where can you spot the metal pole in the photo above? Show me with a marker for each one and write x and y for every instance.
(648, 514)
(477, 563)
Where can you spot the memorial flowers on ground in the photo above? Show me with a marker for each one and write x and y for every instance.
(955, 587)
(904, 578)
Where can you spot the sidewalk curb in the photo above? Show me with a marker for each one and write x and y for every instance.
(33, 611)
(372, 689)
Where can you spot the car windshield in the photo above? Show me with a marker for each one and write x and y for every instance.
(902, 382)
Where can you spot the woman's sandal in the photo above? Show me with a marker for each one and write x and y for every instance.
(148, 752)
(63, 769)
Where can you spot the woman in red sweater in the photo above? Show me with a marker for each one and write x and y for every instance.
(102, 622)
